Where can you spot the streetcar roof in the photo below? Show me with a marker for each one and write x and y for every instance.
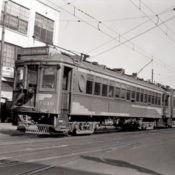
(51, 55)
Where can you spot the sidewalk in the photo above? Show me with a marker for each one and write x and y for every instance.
(7, 126)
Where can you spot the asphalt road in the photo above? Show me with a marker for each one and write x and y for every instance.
(120, 153)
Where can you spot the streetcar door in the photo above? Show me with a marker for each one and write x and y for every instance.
(66, 90)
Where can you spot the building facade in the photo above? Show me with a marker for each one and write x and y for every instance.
(28, 23)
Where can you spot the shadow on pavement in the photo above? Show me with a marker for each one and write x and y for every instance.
(10, 167)
(123, 164)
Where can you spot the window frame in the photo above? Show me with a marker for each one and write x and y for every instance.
(39, 29)
(41, 78)
(15, 18)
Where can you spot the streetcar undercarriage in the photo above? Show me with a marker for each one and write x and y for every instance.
(40, 123)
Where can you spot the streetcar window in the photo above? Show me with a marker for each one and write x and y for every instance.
(156, 101)
(141, 95)
(138, 95)
(32, 74)
(166, 100)
(149, 98)
(117, 92)
(159, 99)
(174, 102)
(133, 93)
(89, 86)
(153, 98)
(97, 88)
(104, 90)
(145, 97)
(128, 94)
(111, 91)
(19, 78)
(66, 78)
(123, 93)
(20, 74)
(48, 77)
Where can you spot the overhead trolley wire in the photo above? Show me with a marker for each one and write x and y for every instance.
(134, 37)
(155, 23)
(100, 23)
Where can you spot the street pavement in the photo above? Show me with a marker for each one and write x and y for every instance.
(120, 153)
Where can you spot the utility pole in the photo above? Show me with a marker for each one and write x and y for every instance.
(152, 75)
(2, 50)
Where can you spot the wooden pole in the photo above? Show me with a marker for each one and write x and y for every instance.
(2, 50)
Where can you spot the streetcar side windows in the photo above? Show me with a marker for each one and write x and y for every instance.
(142, 96)
(152, 97)
(89, 84)
(111, 91)
(156, 102)
(145, 96)
(138, 95)
(103, 87)
(128, 94)
(133, 94)
(159, 99)
(123, 93)
(89, 87)
(173, 102)
(166, 100)
(104, 90)
(149, 98)
(97, 88)
(117, 92)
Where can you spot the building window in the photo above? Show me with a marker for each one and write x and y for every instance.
(17, 17)
(43, 30)
(9, 54)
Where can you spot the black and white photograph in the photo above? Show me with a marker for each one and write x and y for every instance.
(87, 87)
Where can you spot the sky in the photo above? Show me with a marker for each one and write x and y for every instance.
(124, 34)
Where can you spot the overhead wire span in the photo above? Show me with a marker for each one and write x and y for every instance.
(118, 38)
(155, 23)
(171, 31)
(135, 36)
(97, 28)
(121, 43)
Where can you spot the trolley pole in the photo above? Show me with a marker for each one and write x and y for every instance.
(2, 50)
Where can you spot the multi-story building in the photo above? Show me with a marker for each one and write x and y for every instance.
(28, 23)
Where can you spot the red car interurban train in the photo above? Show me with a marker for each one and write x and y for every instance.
(57, 92)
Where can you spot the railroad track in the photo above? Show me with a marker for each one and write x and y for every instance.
(24, 168)
(36, 170)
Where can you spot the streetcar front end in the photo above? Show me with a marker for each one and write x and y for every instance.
(36, 94)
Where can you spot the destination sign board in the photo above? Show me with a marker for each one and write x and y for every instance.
(34, 51)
